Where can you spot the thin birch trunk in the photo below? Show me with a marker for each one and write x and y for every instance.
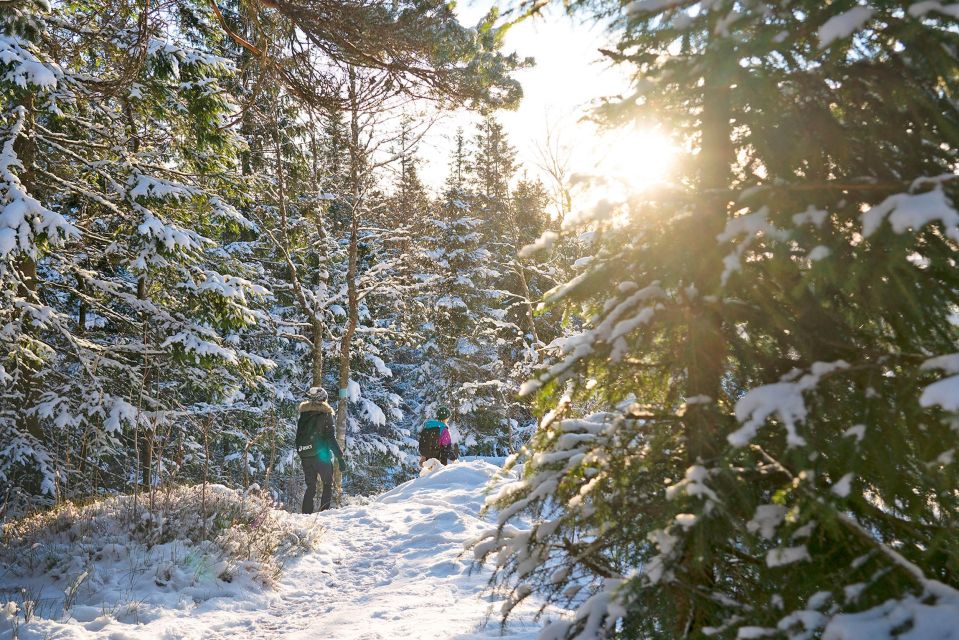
(352, 301)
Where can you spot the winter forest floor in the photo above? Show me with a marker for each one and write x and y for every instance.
(392, 568)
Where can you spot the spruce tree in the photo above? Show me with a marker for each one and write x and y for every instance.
(459, 364)
(754, 434)
(120, 315)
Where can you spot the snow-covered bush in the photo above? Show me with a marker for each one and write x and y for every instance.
(207, 532)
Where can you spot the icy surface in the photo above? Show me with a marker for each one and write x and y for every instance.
(392, 568)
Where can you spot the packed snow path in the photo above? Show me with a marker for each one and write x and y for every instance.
(392, 569)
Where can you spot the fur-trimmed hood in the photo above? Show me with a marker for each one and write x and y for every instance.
(313, 405)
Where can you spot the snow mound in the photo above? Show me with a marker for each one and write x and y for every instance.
(430, 466)
(462, 485)
(389, 567)
(844, 25)
(126, 561)
(910, 618)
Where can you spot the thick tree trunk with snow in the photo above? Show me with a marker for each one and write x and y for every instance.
(705, 345)
(26, 149)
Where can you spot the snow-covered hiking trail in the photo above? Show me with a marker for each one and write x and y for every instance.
(391, 569)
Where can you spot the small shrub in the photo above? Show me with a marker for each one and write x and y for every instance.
(190, 536)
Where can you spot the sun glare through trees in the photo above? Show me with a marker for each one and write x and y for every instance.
(635, 159)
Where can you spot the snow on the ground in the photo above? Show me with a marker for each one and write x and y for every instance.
(392, 568)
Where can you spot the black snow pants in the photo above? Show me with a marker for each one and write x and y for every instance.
(312, 468)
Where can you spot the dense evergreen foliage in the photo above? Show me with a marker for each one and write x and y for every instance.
(754, 436)
(188, 241)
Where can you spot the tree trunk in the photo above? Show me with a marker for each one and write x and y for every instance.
(705, 343)
(310, 310)
(521, 276)
(26, 149)
(706, 350)
(81, 307)
(28, 392)
(353, 304)
(528, 303)
(146, 448)
(323, 275)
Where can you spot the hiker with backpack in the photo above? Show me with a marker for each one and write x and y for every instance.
(317, 446)
(435, 440)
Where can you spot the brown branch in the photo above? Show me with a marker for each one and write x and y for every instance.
(234, 36)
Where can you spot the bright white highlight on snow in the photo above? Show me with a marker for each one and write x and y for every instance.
(786, 555)
(844, 25)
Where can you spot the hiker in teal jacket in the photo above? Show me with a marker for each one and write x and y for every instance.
(435, 440)
(316, 443)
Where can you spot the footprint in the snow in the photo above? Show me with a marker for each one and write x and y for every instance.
(446, 569)
(98, 624)
(424, 545)
(447, 522)
(388, 579)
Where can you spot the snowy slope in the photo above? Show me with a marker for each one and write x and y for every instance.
(393, 568)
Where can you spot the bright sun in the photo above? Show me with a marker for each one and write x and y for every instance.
(637, 159)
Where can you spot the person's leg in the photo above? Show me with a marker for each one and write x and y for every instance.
(444, 456)
(326, 475)
(309, 472)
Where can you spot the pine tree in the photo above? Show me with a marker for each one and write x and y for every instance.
(481, 334)
(459, 164)
(458, 363)
(119, 312)
(192, 225)
(752, 437)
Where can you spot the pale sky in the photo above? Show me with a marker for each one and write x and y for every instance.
(568, 76)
